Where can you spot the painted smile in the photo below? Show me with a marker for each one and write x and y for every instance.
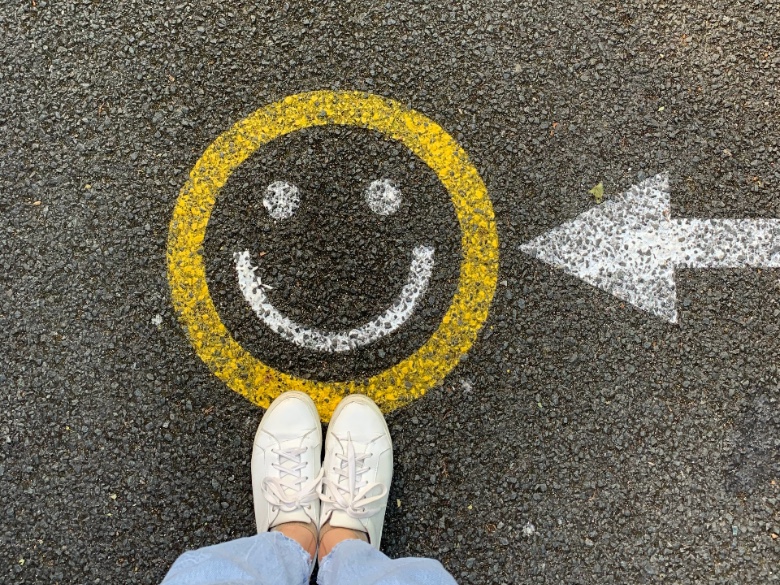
(282, 200)
(337, 341)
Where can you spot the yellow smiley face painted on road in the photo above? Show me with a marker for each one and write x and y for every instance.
(412, 376)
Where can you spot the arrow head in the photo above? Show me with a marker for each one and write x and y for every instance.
(620, 246)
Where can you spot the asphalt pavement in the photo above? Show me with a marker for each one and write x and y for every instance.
(580, 439)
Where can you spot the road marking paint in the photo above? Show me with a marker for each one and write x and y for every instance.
(281, 199)
(383, 197)
(340, 341)
(630, 246)
(414, 375)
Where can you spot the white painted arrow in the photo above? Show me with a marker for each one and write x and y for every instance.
(630, 246)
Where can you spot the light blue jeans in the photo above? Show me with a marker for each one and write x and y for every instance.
(271, 558)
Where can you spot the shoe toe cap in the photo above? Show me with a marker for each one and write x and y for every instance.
(362, 419)
(291, 417)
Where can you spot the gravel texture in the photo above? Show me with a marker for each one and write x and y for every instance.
(582, 441)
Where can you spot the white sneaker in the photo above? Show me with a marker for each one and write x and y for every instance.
(358, 468)
(286, 470)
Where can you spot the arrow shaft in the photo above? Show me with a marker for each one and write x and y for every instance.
(725, 243)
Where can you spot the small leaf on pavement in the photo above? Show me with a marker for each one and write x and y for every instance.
(598, 192)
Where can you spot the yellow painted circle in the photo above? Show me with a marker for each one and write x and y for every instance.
(413, 376)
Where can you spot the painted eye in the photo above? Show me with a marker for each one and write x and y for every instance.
(383, 197)
(281, 199)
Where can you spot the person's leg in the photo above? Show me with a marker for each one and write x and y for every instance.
(286, 475)
(269, 558)
(355, 561)
(358, 470)
(331, 536)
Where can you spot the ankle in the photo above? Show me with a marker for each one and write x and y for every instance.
(302, 533)
(330, 536)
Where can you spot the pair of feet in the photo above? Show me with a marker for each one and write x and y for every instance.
(320, 503)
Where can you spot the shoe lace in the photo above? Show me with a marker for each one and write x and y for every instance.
(290, 490)
(348, 493)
